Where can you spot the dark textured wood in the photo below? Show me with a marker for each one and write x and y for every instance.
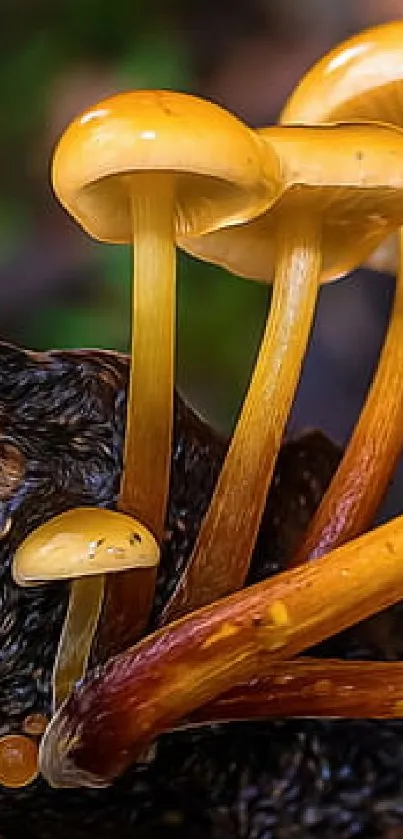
(64, 413)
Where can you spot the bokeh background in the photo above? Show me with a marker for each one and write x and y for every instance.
(59, 289)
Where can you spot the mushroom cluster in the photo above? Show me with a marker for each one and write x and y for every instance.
(296, 204)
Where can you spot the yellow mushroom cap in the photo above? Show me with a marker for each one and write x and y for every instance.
(82, 542)
(359, 79)
(348, 177)
(219, 173)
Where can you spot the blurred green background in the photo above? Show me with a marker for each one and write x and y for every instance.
(58, 289)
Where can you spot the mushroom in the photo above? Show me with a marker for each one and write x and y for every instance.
(83, 545)
(124, 704)
(341, 194)
(143, 167)
(35, 724)
(18, 761)
(361, 79)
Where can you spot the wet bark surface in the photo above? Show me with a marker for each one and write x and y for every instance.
(62, 425)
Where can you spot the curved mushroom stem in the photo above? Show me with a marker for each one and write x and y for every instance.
(124, 705)
(309, 687)
(356, 491)
(147, 454)
(220, 560)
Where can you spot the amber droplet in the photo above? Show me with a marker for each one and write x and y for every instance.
(18, 761)
(35, 724)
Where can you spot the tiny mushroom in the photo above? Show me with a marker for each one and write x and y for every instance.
(18, 761)
(82, 545)
(144, 167)
(35, 724)
(341, 195)
(361, 79)
(120, 708)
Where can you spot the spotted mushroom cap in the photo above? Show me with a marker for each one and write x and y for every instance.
(83, 542)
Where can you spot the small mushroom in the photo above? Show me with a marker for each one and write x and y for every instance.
(18, 761)
(143, 167)
(35, 724)
(341, 194)
(123, 705)
(361, 79)
(82, 545)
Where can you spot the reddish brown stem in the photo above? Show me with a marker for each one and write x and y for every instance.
(357, 489)
(309, 687)
(124, 705)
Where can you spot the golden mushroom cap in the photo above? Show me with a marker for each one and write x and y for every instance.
(348, 177)
(220, 172)
(83, 542)
(361, 78)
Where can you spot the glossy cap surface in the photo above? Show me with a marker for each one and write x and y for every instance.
(220, 173)
(360, 79)
(349, 177)
(83, 542)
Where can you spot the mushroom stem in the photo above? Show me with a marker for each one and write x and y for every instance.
(145, 479)
(79, 628)
(122, 706)
(220, 560)
(356, 491)
(309, 687)
(147, 454)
